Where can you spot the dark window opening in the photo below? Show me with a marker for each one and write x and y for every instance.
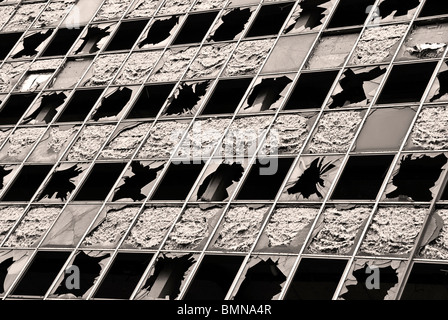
(316, 279)
(159, 31)
(416, 177)
(311, 90)
(186, 98)
(398, 7)
(351, 13)
(214, 187)
(91, 40)
(8, 41)
(127, 34)
(60, 184)
(442, 90)
(27, 183)
(407, 83)
(14, 108)
(62, 42)
(265, 179)
(434, 8)
(269, 20)
(227, 96)
(427, 282)
(233, 23)
(214, 277)
(100, 181)
(41, 274)
(265, 94)
(31, 43)
(80, 105)
(4, 266)
(177, 182)
(3, 173)
(195, 28)
(113, 103)
(311, 15)
(46, 110)
(150, 101)
(362, 177)
(123, 276)
(133, 185)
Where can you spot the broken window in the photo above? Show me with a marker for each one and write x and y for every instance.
(151, 227)
(267, 94)
(31, 44)
(167, 277)
(395, 9)
(32, 227)
(13, 109)
(335, 132)
(53, 13)
(45, 108)
(219, 181)
(143, 8)
(263, 173)
(151, 99)
(170, 188)
(311, 179)
(138, 181)
(434, 243)
(385, 129)
(231, 24)
(209, 60)
(24, 16)
(439, 89)
(362, 177)
(12, 263)
(103, 70)
(164, 136)
(289, 53)
(195, 28)
(192, 230)
(113, 103)
(351, 13)
(426, 282)
(70, 226)
(69, 75)
(263, 278)
(62, 183)
(186, 99)
(433, 8)
(407, 83)
(394, 230)
(319, 83)
(10, 73)
(226, 96)
(172, 65)
(81, 13)
(112, 9)
(416, 177)
(26, 183)
(355, 285)
(90, 265)
(109, 227)
(316, 279)
(123, 276)
(159, 32)
(19, 143)
(41, 273)
(309, 15)
(9, 215)
(34, 80)
(239, 228)
(248, 57)
(339, 229)
(269, 19)
(93, 38)
(331, 51)
(89, 142)
(9, 40)
(80, 105)
(205, 285)
(61, 42)
(107, 174)
(126, 35)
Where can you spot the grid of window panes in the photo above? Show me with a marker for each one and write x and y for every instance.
(223, 149)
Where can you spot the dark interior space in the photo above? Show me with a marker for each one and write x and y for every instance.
(195, 28)
(401, 8)
(27, 182)
(8, 41)
(62, 42)
(31, 42)
(113, 103)
(427, 282)
(15, 107)
(91, 40)
(350, 13)
(47, 108)
(127, 34)
(443, 85)
(434, 8)
(159, 31)
(266, 93)
(79, 106)
(233, 23)
(150, 101)
(4, 266)
(311, 15)
(269, 19)
(186, 98)
(60, 185)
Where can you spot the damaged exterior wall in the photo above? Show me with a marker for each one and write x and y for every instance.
(143, 8)
(209, 61)
(208, 4)
(138, 67)
(112, 9)
(429, 134)
(59, 138)
(89, 142)
(23, 138)
(24, 17)
(437, 248)
(53, 13)
(175, 6)
(5, 14)
(10, 73)
(8, 216)
(104, 69)
(172, 64)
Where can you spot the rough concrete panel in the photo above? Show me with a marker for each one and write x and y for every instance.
(110, 230)
(104, 69)
(248, 57)
(5, 14)
(240, 228)
(9, 74)
(8, 216)
(337, 232)
(335, 132)
(59, 138)
(143, 8)
(175, 6)
(151, 227)
(24, 17)
(203, 137)
(209, 4)
(192, 229)
(376, 44)
(394, 230)
(22, 139)
(438, 248)
(164, 136)
(209, 61)
(48, 64)
(125, 143)
(89, 142)
(172, 65)
(53, 13)
(138, 67)
(3, 135)
(112, 9)
(35, 223)
(430, 129)
(286, 224)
